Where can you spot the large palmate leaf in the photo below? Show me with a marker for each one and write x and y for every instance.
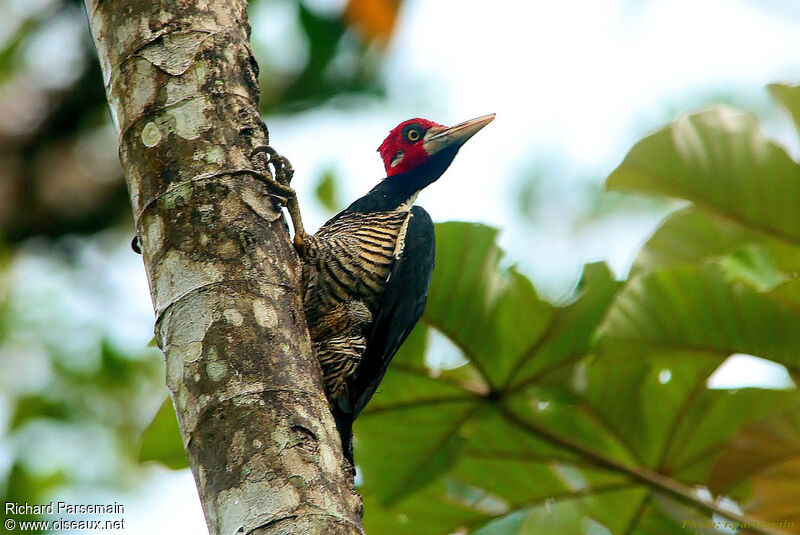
(702, 309)
(690, 237)
(719, 160)
(744, 220)
(494, 318)
(738, 242)
(560, 441)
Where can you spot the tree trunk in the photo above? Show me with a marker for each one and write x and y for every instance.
(181, 82)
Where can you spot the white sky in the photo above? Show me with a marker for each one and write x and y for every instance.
(573, 84)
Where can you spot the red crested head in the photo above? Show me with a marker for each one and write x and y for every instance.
(404, 148)
(415, 154)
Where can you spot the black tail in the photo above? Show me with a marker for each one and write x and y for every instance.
(344, 424)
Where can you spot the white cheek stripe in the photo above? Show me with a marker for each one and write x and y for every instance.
(397, 159)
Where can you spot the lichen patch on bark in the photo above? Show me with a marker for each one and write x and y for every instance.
(264, 314)
(178, 275)
(190, 117)
(175, 52)
(155, 233)
(151, 135)
(233, 316)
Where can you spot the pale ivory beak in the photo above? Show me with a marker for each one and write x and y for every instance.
(454, 136)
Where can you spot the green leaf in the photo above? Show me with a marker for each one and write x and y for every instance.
(658, 520)
(690, 237)
(327, 192)
(711, 419)
(757, 447)
(429, 511)
(408, 387)
(23, 485)
(699, 309)
(493, 317)
(571, 331)
(720, 160)
(562, 417)
(789, 97)
(504, 484)
(411, 383)
(35, 407)
(752, 265)
(602, 513)
(403, 449)
(161, 441)
(10, 51)
(644, 405)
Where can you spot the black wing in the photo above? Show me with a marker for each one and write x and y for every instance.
(402, 304)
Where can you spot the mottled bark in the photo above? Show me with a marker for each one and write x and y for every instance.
(181, 82)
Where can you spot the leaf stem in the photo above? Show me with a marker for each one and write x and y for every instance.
(643, 475)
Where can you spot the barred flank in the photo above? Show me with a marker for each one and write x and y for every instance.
(345, 270)
(339, 356)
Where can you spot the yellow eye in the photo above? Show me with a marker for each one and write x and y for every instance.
(413, 132)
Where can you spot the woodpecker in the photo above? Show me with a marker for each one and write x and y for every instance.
(367, 270)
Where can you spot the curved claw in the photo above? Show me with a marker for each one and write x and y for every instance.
(286, 171)
(283, 169)
(279, 187)
(263, 149)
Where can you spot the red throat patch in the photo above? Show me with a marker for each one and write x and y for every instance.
(403, 149)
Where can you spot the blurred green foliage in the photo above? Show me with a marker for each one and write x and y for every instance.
(158, 442)
(327, 192)
(337, 65)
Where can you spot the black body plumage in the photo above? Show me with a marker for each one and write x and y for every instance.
(346, 267)
(366, 275)
(401, 306)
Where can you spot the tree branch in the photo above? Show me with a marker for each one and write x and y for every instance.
(181, 82)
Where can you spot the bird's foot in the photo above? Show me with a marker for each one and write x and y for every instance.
(282, 172)
(278, 179)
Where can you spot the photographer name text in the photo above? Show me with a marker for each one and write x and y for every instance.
(64, 508)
